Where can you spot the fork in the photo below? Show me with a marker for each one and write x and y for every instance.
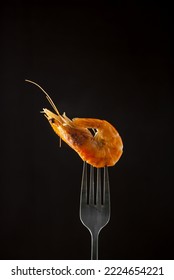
(94, 204)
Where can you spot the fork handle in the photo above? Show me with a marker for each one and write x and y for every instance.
(94, 246)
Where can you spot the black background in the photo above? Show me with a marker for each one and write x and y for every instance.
(101, 61)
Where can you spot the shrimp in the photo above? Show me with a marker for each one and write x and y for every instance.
(102, 148)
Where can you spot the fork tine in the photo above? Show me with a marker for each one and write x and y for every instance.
(91, 185)
(98, 188)
(84, 184)
(106, 192)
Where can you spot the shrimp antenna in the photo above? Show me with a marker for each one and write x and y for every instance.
(47, 96)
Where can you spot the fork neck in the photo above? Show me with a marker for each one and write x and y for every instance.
(94, 246)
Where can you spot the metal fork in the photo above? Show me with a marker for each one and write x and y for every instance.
(94, 205)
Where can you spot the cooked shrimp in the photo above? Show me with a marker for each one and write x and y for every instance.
(104, 148)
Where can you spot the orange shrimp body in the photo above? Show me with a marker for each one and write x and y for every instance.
(104, 148)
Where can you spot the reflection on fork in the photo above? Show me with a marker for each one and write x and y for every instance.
(94, 204)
